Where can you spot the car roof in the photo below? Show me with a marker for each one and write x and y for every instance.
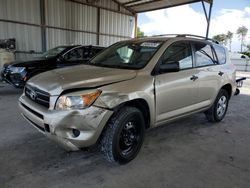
(78, 45)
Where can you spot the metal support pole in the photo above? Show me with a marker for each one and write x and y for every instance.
(209, 18)
(204, 9)
(43, 23)
(136, 25)
(98, 26)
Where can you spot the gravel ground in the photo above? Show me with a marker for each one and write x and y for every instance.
(188, 153)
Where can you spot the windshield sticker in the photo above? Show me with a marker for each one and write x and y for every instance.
(151, 44)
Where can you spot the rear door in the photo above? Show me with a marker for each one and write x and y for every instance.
(209, 77)
(176, 92)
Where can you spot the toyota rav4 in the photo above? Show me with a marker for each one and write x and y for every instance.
(129, 87)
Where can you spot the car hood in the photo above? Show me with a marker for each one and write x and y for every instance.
(82, 76)
(31, 62)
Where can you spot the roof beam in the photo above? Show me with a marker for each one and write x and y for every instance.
(125, 7)
(139, 6)
(158, 4)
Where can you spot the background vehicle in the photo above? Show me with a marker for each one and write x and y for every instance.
(17, 73)
(131, 86)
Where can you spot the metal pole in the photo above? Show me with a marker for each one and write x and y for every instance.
(136, 20)
(43, 23)
(204, 9)
(209, 18)
(98, 26)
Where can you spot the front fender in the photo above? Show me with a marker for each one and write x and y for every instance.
(119, 93)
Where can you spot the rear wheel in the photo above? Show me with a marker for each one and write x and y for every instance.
(219, 109)
(123, 136)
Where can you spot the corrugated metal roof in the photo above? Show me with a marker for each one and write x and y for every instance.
(137, 6)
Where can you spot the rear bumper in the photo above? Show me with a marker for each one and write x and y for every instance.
(59, 125)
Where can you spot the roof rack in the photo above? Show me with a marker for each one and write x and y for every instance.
(187, 35)
(197, 36)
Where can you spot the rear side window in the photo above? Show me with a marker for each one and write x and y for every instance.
(221, 54)
(179, 52)
(203, 55)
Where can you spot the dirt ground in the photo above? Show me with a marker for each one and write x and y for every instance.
(188, 153)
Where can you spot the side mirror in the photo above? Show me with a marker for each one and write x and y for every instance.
(172, 66)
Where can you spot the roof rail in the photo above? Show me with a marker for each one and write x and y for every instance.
(197, 36)
(187, 35)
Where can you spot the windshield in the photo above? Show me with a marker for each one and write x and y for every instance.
(53, 52)
(127, 54)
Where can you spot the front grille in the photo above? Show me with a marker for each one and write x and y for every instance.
(37, 95)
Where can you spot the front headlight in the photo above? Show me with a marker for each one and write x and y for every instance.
(77, 101)
(17, 69)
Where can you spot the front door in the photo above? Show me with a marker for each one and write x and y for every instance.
(176, 92)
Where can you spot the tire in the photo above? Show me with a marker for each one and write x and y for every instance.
(219, 109)
(123, 136)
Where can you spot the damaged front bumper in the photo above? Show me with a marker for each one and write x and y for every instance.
(73, 129)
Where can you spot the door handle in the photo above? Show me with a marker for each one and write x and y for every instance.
(220, 73)
(194, 77)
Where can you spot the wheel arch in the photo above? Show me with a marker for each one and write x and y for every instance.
(140, 104)
(228, 88)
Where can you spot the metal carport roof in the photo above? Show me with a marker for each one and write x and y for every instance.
(139, 6)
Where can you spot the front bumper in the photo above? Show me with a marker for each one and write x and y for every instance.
(17, 80)
(59, 125)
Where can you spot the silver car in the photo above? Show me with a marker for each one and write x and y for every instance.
(131, 86)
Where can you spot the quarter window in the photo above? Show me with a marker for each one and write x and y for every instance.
(221, 54)
(179, 52)
(203, 55)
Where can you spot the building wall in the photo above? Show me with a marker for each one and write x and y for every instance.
(38, 25)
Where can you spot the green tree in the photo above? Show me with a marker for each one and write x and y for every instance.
(221, 38)
(242, 32)
(139, 33)
(229, 38)
(248, 47)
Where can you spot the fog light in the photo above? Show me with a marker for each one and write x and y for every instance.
(75, 132)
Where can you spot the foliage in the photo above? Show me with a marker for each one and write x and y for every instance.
(139, 33)
(221, 38)
(229, 38)
(246, 53)
(242, 32)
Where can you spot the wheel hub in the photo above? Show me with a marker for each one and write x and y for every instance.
(128, 134)
(129, 138)
(221, 106)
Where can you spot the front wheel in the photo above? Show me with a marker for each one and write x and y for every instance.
(219, 109)
(123, 137)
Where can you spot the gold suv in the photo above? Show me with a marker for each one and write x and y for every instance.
(129, 87)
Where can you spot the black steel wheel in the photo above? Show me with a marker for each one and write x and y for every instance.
(123, 136)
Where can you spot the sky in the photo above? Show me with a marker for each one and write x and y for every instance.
(227, 15)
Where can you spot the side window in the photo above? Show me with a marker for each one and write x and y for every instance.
(94, 51)
(74, 55)
(221, 54)
(203, 54)
(179, 52)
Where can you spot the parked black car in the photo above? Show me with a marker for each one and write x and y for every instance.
(17, 73)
